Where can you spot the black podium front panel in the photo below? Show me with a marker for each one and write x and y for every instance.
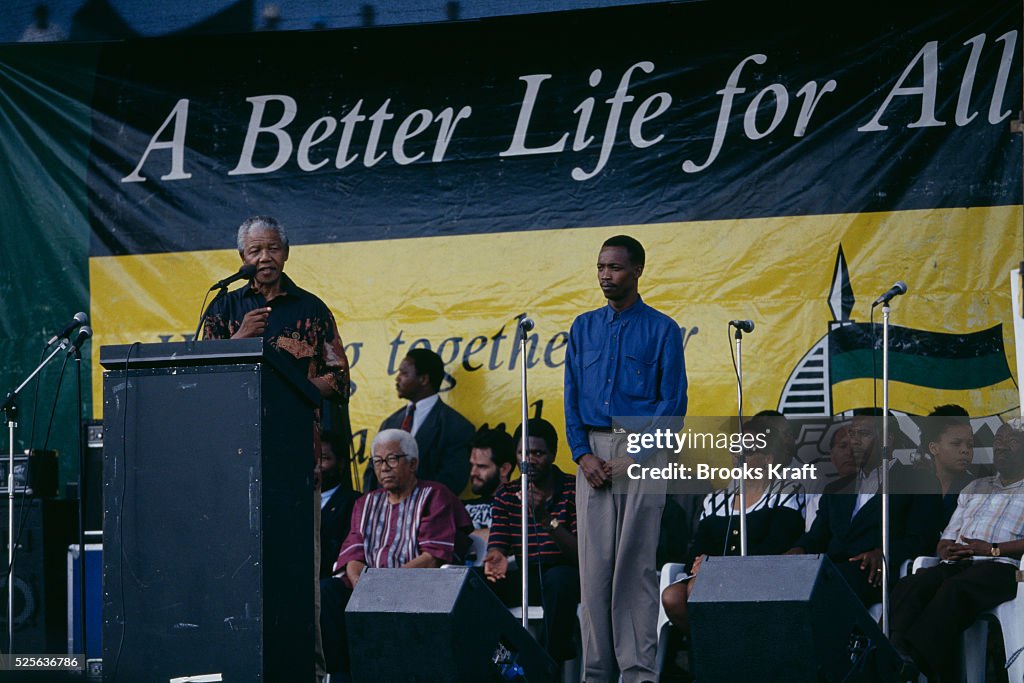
(208, 523)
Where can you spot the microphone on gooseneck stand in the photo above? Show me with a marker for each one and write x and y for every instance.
(244, 273)
(896, 290)
(80, 319)
(83, 335)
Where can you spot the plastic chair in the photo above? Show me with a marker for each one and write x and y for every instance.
(669, 573)
(875, 610)
(478, 548)
(1010, 616)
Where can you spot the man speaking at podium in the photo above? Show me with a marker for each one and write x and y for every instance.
(288, 318)
(293, 321)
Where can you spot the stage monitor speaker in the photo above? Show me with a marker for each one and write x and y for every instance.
(783, 618)
(43, 529)
(429, 625)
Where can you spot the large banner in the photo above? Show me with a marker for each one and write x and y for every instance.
(439, 182)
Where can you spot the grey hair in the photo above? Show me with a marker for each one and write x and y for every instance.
(405, 441)
(259, 223)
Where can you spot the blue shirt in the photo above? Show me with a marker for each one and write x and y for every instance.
(621, 365)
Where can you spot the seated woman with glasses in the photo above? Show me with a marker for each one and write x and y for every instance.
(406, 523)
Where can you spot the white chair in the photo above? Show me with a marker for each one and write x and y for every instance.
(875, 610)
(477, 547)
(1010, 616)
(669, 573)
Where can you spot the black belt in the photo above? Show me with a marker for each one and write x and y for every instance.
(607, 430)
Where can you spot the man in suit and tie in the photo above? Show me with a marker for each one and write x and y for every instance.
(336, 502)
(442, 434)
(848, 526)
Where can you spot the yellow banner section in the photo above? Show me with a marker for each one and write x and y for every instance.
(998, 399)
(460, 296)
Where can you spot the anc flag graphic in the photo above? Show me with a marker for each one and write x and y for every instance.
(925, 368)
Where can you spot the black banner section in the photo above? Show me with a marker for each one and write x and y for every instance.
(644, 114)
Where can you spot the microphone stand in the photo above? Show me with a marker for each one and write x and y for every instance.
(81, 500)
(222, 291)
(886, 461)
(524, 468)
(10, 411)
(743, 452)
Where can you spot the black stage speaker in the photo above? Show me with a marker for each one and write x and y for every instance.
(783, 618)
(443, 625)
(208, 514)
(46, 527)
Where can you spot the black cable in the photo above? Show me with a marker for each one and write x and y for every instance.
(35, 401)
(874, 361)
(736, 371)
(728, 524)
(120, 510)
(526, 560)
(202, 316)
(53, 408)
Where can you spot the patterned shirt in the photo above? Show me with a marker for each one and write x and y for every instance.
(988, 511)
(385, 534)
(506, 519)
(299, 324)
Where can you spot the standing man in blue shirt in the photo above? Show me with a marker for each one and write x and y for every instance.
(625, 359)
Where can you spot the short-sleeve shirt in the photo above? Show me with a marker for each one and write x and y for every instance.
(505, 520)
(385, 534)
(988, 511)
(299, 324)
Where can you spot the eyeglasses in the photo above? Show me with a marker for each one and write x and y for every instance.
(392, 460)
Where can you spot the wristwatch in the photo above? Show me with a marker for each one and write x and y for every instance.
(552, 523)
(995, 550)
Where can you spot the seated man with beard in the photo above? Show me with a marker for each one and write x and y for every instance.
(492, 459)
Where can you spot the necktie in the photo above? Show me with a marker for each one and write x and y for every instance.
(407, 420)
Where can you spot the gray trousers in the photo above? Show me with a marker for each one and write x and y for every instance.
(618, 539)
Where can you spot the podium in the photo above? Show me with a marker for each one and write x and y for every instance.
(208, 513)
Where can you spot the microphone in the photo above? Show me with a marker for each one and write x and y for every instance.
(83, 336)
(244, 273)
(79, 320)
(899, 288)
(742, 325)
(526, 324)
